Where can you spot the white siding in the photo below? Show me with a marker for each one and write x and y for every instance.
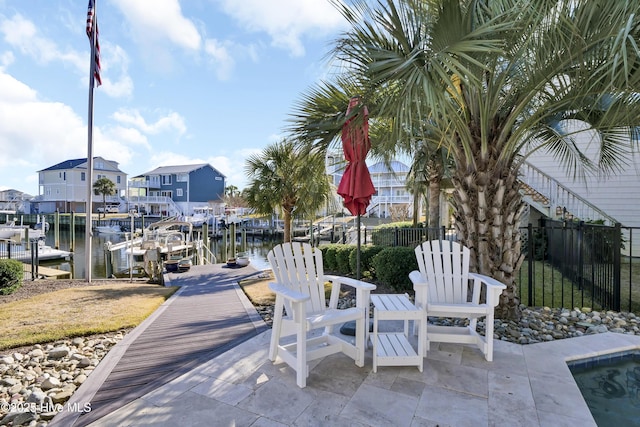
(618, 196)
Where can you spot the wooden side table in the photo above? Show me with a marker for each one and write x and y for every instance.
(394, 348)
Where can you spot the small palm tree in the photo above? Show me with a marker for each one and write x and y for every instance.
(106, 187)
(287, 178)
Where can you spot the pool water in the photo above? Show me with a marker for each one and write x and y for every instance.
(610, 385)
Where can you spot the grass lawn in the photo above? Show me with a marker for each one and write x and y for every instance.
(257, 290)
(78, 311)
(552, 289)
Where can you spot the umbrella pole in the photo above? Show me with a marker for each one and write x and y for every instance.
(358, 250)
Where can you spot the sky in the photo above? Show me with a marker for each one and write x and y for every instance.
(183, 81)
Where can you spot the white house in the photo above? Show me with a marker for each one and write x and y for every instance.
(63, 186)
(14, 200)
(388, 182)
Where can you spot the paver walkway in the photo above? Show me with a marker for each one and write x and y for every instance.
(207, 316)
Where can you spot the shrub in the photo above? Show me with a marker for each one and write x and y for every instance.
(366, 255)
(11, 273)
(329, 257)
(343, 253)
(393, 265)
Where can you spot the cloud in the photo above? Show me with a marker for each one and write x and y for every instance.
(22, 34)
(170, 121)
(157, 27)
(36, 131)
(116, 64)
(286, 21)
(220, 58)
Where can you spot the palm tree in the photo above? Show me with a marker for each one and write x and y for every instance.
(230, 190)
(106, 187)
(287, 177)
(492, 82)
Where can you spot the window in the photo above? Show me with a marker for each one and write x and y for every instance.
(83, 176)
(183, 177)
(179, 192)
(118, 179)
(166, 179)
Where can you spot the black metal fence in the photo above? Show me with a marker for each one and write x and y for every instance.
(566, 264)
(27, 253)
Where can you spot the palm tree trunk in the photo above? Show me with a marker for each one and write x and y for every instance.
(287, 225)
(434, 204)
(489, 208)
(416, 208)
(435, 170)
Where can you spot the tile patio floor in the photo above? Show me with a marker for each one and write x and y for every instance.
(527, 385)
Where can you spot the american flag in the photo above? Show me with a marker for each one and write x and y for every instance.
(92, 23)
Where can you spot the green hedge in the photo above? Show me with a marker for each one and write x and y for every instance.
(393, 265)
(390, 265)
(366, 256)
(11, 274)
(342, 259)
(329, 256)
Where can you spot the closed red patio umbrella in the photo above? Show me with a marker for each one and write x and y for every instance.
(356, 187)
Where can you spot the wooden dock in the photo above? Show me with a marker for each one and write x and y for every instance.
(47, 272)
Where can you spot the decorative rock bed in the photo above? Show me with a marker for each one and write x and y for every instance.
(36, 383)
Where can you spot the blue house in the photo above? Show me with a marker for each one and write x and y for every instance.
(178, 190)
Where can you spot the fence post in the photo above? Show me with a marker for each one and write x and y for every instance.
(33, 260)
(396, 236)
(530, 257)
(617, 244)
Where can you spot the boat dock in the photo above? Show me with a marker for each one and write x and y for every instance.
(47, 272)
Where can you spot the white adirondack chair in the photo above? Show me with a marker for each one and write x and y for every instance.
(442, 288)
(299, 290)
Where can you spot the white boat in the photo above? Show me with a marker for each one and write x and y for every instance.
(109, 229)
(169, 236)
(201, 215)
(10, 230)
(22, 252)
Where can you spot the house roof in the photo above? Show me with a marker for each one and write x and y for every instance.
(74, 163)
(67, 164)
(396, 166)
(170, 170)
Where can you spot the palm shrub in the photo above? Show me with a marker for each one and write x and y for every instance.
(393, 265)
(11, 273)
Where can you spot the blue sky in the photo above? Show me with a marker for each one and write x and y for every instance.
(184, 81)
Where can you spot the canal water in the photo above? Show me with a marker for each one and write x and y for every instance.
(256, 249)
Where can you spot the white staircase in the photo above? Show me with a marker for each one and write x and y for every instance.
(550, 197)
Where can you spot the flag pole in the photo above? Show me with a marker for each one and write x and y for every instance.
(89, 207)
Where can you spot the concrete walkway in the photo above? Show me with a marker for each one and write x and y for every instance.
(207, 316)
(525, 386)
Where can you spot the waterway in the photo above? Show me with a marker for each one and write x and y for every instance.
(255, 248)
